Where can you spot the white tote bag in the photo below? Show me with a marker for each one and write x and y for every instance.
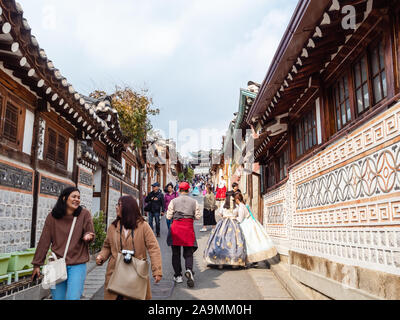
(55, 271)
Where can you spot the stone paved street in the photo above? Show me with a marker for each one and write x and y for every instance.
(252, 284)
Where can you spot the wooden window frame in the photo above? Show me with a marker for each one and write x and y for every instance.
(55, 162)
(305, 131)
(21, 107)
(380, 48)
(335, 92)
(271, 173)
(128, 170)
(381, 41)
(283, 171)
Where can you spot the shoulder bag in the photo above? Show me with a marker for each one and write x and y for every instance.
(55, 271)
(129, 279)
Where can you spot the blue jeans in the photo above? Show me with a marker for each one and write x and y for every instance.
(155, 215)
(72, 288)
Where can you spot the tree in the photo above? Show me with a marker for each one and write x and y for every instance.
(189, 173)
(133, 110)
(100, 232)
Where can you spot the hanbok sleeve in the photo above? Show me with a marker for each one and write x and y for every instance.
(242, 213)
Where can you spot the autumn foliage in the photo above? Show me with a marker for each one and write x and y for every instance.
(133, 110)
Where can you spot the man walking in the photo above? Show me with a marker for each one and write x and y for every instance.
(155, 199)
(183, 210)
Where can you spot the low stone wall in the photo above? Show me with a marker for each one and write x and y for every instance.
(340, 281)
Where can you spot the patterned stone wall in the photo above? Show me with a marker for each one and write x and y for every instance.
(276, 218)
(348, 198)
(85, 185)
(114, 193)
(15, 220)
(16, 203)
(343, 204)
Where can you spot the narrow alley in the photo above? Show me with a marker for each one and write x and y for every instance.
(210, 283)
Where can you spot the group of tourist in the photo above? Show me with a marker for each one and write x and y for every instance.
(236, 240)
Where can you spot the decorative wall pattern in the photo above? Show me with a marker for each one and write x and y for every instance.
(276, 218)
(51, 187)
(15, 220)
(126, 189)
(17, 178)
(346, 204)
(86, 178)
(372, 248)
(380, 130)
(115, 184)
(374, 175)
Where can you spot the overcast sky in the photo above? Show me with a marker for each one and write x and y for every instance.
(193, 55)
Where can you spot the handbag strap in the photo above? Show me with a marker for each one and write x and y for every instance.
(248, 208)
(120, 237)
(69, 237)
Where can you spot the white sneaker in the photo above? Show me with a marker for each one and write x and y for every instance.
(178, 279)
(190, 277)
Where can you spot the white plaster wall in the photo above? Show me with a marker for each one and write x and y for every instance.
(71, 148)
(318, 116)
(97, 179)
(28, 132)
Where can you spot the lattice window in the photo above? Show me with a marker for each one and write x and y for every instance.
(10, 131)
(56, 149)
(341, 99)
(378, 73)
(128, 171)
(361, 84)
(306, 133)
(51, 145)
(271, 174)
(61, 150)
(283, 164)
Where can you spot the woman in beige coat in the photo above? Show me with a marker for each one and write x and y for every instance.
(128, 219)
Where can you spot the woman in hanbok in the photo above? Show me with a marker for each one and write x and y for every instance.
(196, 190)
(221, 190)
(259, 246)
(226, 245)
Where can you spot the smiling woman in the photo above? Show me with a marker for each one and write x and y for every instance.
(55, 233)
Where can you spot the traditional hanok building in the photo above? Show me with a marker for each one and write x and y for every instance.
(328, 116)
(238, 150)
(163, 163)
(52, 137)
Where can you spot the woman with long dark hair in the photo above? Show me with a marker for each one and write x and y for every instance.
(209, 209)
(170, 194)
(130, 232)
(55, 233)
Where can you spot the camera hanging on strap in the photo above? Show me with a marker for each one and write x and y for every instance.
(128, 254)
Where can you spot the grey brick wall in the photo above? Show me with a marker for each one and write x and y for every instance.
(15, 220)
(45, 204)
(112, 201)
(86, 197)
